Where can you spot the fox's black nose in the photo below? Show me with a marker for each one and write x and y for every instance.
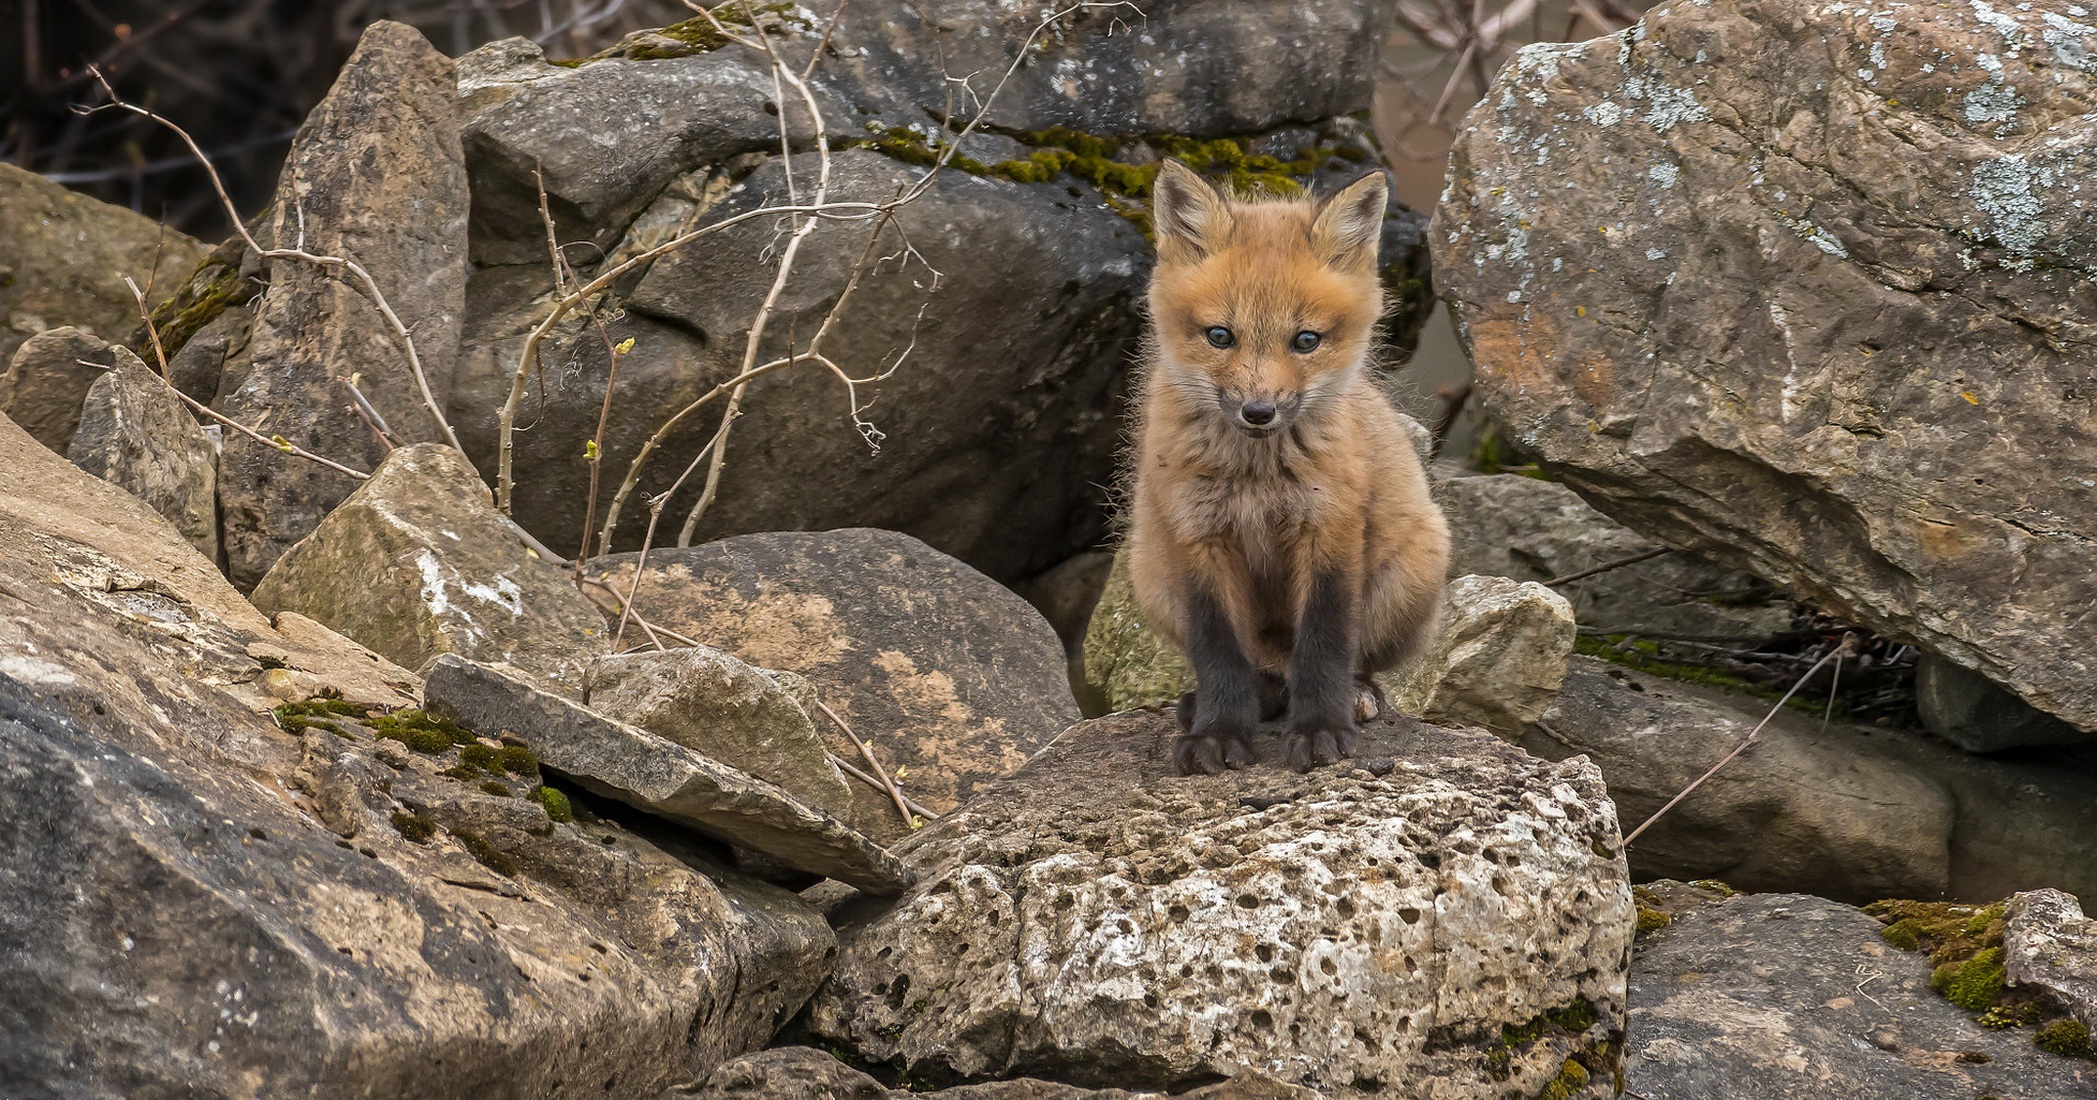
(1258, 412)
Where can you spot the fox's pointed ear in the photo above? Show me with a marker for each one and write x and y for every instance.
(1349, 226)
(1191, 219)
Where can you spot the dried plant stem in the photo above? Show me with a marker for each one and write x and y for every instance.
(866, 751)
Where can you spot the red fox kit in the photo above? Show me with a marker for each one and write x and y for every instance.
(1281, 531)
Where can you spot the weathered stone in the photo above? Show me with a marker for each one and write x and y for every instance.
(196, 902)
(1497, 659)
(47, 381)
(1507, 525)
(375, 174)
(990, 440)
(946, 672)
(1127, 664)
(1968, 710)
(2047, 942)
(802, 1073)
(137, 435)
(1787, 997)
(418, 562)
(1066, 594)
(605, 137)
(64, 257)
(1805, 288)
(1174, 67)
(1848, 812)
(646, 772)
(1095, 919)
(735, 713)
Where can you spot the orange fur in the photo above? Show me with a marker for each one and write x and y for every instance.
(1337, 487)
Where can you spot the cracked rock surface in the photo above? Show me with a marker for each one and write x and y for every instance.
(1806, 288)
(1096, 920)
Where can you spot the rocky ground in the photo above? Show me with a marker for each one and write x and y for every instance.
(838, 765)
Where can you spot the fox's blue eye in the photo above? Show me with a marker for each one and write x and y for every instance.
(1305, 341)
(1220, 337)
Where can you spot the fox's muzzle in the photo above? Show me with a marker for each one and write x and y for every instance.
(1257, 415)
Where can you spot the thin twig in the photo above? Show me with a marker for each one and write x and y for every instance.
(1634, 559)
(846, 767)
(1842, 648)
(867, 751)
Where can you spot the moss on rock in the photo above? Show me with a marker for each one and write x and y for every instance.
(1125, 662)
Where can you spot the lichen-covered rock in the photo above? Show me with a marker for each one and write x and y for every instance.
(137, 435)
(47, 381)
(1170, 66)
(2048, 943)
(1787, 997)
(418, 562)
(631, 765)
(1803, 287)
(1970, 711)
(1445, 916)
(1127, 664)
(64, 257)
(376, 174)
(1497, 660)
(1507, 525)
(198, 901)
(803, 1073)
(946, 672)
(736, 713)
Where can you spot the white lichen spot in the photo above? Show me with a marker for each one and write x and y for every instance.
(2005, 191)
(1995, 101)
(2012, 32)
(1655, 254)
(1664, 174)
(1604, 113)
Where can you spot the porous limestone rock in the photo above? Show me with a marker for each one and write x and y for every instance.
(1497, 659)
(137, 435)
(631, 765)
(803, 1073)
(196, 900)
(1803, 287)
(1789, 997)
(375, 174)
(708, 701)
(1444, 916)
(418, 562)
(64, 258)
(947, 673)
(1508, 525)
(2048, 943)
(47, 380)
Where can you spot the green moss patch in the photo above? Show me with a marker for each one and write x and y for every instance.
(1574, 1019)
(2066, 1037)
(213, 288)
(1964, 945)
(316, 713)
(488, 854)
(414, 826)
(556, 803)
(518, 760)
(420, 730)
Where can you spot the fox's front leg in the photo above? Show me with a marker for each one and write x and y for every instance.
(1322, 693)
(1226, 695)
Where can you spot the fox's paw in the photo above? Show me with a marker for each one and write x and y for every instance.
(1210, 752)
(1307, 748)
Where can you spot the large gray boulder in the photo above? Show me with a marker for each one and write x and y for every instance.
(1444, 908)
(137, 435)
(946, 672)
(1805, 290)
(375, 174)
(1849, 812)
(418, 562)
(64, 258)
(196, 900)
(1789, 997)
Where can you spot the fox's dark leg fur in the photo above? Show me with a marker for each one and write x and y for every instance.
(1218, 728)
(1322, 688)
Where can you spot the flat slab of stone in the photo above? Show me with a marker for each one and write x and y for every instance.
(649, 773)
(1792, 997)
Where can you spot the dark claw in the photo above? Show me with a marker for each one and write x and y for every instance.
(1303, 750)
(1209, 752)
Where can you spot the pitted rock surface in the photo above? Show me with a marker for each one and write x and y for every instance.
(1805, 287)
(2049, 943)
(1097, 920)
(1497, 660)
